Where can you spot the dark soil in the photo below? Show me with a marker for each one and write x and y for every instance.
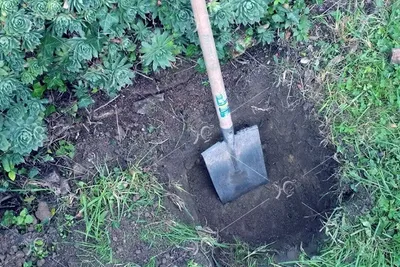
(164, 123)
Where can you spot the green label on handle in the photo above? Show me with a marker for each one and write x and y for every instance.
(223, 106)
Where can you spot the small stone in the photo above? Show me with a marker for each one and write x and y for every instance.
(14, 249)
(19, 262)
(79, 170)
(138, 251)
(64, 187)
(52, 178)
(121, 134)
(31, 228)
(41, 262)
(20, 254)
(164, 260)
(43, 212)
(26, 251)
(115, 239)
(304, 60)
(396, 55)
(147, 215)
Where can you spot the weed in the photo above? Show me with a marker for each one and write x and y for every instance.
(152, 262)
(244, 255)
(22, 220)
(64, 228)
(192, 263)
(39, 249)
(65, 148)
(113, 195)
(179, 234)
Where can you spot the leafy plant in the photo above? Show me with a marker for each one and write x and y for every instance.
(160, 52)
(21, 124)
(249, 11)
(22, 220)
(39, 248)
(65, 148)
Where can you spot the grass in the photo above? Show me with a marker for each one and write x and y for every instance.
(244, 255)
(111, 196)
(116, 194)
(362, 104)
(179, 234)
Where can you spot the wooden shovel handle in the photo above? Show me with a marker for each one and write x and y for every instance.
(212, 63)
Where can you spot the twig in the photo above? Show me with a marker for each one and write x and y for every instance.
(143, 75)
(256, 60)
(106, 104)
(5, 198)
(118, 130)
(159, 143)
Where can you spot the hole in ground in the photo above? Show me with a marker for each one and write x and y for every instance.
(166, 136)
(289, 209)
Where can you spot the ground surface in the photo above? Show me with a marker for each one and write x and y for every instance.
(165, 122)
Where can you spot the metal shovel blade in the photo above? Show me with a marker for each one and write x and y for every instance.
(228, 182)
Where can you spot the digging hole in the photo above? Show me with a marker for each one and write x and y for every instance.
(289, 209)
(166, 135)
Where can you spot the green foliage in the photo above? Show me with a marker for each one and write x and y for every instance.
(179, 234)
(65, 148)
(22, 220)
(363, 104)
(160, 52)
(21, 126)
(90, 45)
(249, 11)
(114, 194)
(39, 248)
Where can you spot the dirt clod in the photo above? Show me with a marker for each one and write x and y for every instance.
(43, 212)
(14, 249)
(64, 187)
(41, 262)
(79, 170)
(58, 184)
(20, 254)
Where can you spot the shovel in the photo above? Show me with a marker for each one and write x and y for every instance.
(236, 165)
